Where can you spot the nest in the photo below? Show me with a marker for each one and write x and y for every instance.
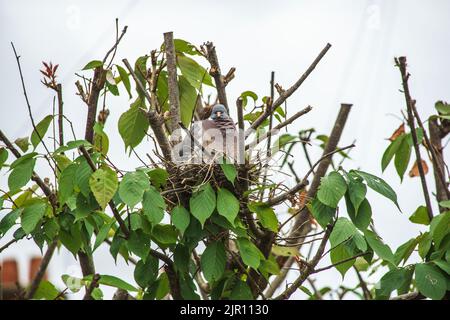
(186, 178)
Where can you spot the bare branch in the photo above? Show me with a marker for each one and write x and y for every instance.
(211, 55)
(174, 95)
(287, 93)
(401, 63)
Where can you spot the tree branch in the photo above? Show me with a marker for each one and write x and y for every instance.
(287, 93)
(155, 120)
(42, 269)
(435, 144)
(308, 269)
(215, 72)
(174, 95)
(302, 226)
(401, 63)
(92, 286)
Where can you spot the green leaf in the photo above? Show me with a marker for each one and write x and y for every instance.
(343, 230)
(202, 203)
(425, 241)
(163, 286)
(67, 183)
(249, 253)
(133, 124)
(188, 100)
(363, 217)
(180, 218)
(430, 281)
(153, 205)
(245, 95)
(229, 171)
(146, 272)
(21, 174)
(125, 79)
(140, 69)
(164, 234)
(158, 176)
(402, 156)
(194, 73)
(285, 251)
(442, 107)
(41, 130)
(112, 281)
(322, 213)
(382, 250)
(71, 241)
(139, 244)
(32, 215)
(213, 261)
(227, 205)
(378, 185)
(339, 254)
(420, 216)
(332, 188)
(269, 266)
(445, 204)
(22, 143)
(46, 291)
(162, 91)
(185, 47)
(405, 250)
(133, 186)
(9, 220)
(444, 265)
(93, 64)
(419, 134)
(439, 227)
(102, 235)
(182, 258)
(82, 176)
(241, 291)
(72, 145)
(266, 215)
(392, 280)
(390, 151)
(101, 140)
(3, 156)
(357, 193)
(103, 183)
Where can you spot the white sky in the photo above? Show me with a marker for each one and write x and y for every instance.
(256, 37)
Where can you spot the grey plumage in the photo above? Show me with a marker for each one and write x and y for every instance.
(216, 134)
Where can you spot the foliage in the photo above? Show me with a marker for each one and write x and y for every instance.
(208, 236)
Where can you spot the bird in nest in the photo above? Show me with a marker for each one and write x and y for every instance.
(210, 139)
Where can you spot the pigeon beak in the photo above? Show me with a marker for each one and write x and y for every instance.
(219, 114)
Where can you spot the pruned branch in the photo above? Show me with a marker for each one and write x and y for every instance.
(174, 95)
(215, 72)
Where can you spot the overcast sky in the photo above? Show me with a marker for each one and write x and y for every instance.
(256, 37)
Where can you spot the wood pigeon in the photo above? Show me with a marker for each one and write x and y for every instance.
(217, 135)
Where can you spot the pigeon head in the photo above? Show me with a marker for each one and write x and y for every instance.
(219, 111)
